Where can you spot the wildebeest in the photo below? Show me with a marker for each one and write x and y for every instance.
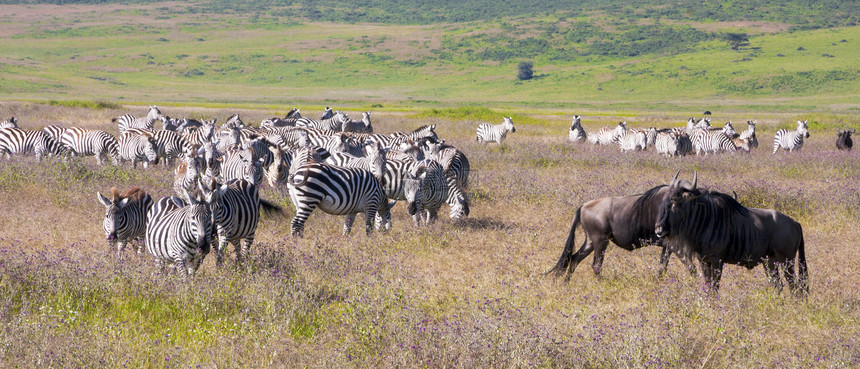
(715, 229)
(627, 221)
(843, 140)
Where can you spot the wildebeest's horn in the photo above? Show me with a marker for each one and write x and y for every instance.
(853, 129)
(695, 179)
(735, 195)
(675, 178)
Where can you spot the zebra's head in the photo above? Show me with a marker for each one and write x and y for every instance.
(508, 123)
(171, 124)
(277, 171)
(413, 192)
(9, 123)
(376, 155)
(252, 169)
(114, 214)
(199, 215)
(729, 130)
(802, 128)
(154, 114)
(327, 113)
(576, 123)
(234, 122)
(431, 148)
(293, 113)
(149, 148)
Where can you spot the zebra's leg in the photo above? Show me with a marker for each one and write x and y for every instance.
(221, 247)
(432, 215)
(369, 216)
(120, 247)
(347, 224)
(245, 253)
(303, 211)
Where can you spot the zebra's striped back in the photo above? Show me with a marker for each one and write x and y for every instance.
(125, 217)
(338, 191)
(453, 161)
(136, 148)
(236, 214)
(169, 145)
(495, 133)
(632, 140)
(667, 143)
(791, 140)
(17, 141)
(89, 142)
(181, 233)
(198, 136)
(334, 123)
(705, 142)
(240, 164)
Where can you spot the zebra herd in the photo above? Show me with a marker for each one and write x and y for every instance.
(698, 136)
(334, 163)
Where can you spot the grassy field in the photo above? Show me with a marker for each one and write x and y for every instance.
(458, 294)
(590, 60)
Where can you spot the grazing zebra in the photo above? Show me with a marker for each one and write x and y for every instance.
(632, 140)
(749, 134)
(495, 133)
(608, 135)
(335, 123)
(362, 126)
(168, 144)
(9, 123)
(576, 132)
(127, 121)
(86, 142)
(457, 198)
(136, 148)
(125, 217)
(425, 190)
(181, 233)
(187, 175)
(705, 141)
(241, 164)
(236, 214)
(791, 140)
(335, 190)
(17, 141)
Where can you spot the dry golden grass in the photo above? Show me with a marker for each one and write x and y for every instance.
(456, 294)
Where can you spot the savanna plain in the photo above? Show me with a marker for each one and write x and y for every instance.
(456, 294)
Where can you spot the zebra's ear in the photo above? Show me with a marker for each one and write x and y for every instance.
(124, 202)
(187, 196)
(104, 200)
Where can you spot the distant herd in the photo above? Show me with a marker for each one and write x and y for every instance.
(342, 167)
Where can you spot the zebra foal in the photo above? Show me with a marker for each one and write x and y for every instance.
(125, 217)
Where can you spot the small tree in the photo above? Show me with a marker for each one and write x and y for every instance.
(524, 71)
(736, 40)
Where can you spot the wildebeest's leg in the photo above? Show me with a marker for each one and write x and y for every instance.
(713, 273)
(664, 260)
(788, 272)
(772, 271)
(599, 244)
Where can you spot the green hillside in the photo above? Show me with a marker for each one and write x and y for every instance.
(599, 55)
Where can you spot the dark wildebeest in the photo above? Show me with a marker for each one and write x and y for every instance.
(627, 221)
(843, 140)
(715, 229)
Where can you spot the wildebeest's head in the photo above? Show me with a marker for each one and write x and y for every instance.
(679, 191)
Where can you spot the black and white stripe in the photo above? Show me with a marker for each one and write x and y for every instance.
(169, 145)
(749, 135)
(632, 140)
(425, 190)
(134, 148)
(181, 233)
(608, 135)
(453, 161)
(125, 217)
(362, 126)
(241, 164)
(335, 190)
(236, 214)
(9, 123)
(791, 140)
(17, 141)
(495, 133)
(127, 121)
(335, 123)
(186, 177)
(705, 141)
(576, 133)
(88, 142)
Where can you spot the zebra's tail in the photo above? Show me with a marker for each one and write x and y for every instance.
(567, 255)
(270, 208)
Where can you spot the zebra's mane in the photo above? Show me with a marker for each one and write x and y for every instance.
(423, 128)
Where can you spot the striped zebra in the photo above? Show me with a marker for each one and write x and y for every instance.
(667, 143)
(608, 135)
(334, 123)
(236, 214)
(453, 161)
(125, 217)
(576, 132)
(397, 171)
(9, 123)
(241, 164)
(169, 145)
(394, 139)
(233, 122)
(278, 170)
(457, 199)
(127, 121)
(210, 162)
(17, 141)
(495, 133)
(134, 148)
(749, 134)
(632, 140)
(791, 140)
(425, 190)
(705, 141)
(186, 177)
(198, 136)
(693, 124)
(181, 233)
(335, 190)
(372, 161)
(362, 126)
(327, 113)
(88, 142)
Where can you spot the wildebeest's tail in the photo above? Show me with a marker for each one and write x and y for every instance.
(567, 255)
(270, 208)
(802, 271)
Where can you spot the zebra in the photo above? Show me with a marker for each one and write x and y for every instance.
(705, 141)
(187, 174)
(608, 135)
(693, 124)
(327, 113)
(791, 140)
(576, 132)
(181, 233)
(334, 123)
(495, 133)
(362, 126)
(19, 141)
(277, 171)
(749, 134)
(198, 136)
(392, 140)
(667, 143)
(453, 161)
(729, 130)
(408, 150)
(169, 145)
(9, 123)
(236, 214)
(130, 121)
(86, 142)
(241, 164)
(425, 190)
(372, 161)
(233, 122)
(457, 198)
(632, 140)
(335, 190)
(125, 217)
(134, 148)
